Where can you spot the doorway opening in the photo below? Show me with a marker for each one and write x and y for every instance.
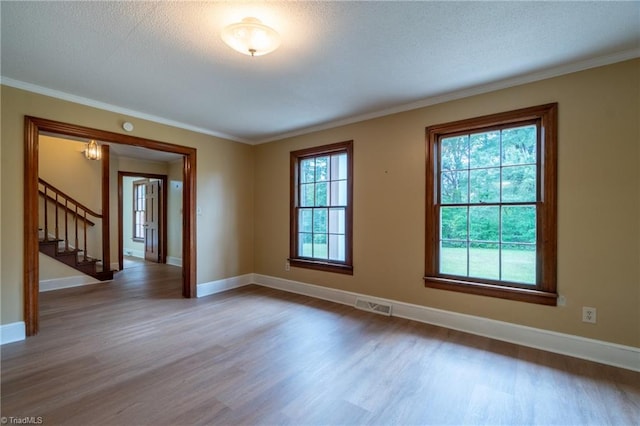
(33, 127)
(143, 212)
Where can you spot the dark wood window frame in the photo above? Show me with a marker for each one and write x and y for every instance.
(544, 291)
(345, 267)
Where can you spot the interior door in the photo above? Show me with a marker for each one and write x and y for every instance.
(153, 221)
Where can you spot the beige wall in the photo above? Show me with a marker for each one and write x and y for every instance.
(598, 190)
(62, 164)
(243, 197)
(224, 190)
(51, 269)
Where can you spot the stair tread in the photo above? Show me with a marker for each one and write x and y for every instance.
(75, 258)
(50, 241)
(68, 252)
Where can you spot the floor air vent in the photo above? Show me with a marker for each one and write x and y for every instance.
(378, 308)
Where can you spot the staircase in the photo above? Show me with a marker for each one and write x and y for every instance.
(63, 216)
(75, 258)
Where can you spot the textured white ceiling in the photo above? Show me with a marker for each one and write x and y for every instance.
(338, 61)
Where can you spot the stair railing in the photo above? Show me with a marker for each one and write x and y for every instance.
(73, 210)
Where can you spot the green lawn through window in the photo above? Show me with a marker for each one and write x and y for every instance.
(517, 265)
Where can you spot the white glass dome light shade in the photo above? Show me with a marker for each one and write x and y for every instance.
(251, 37)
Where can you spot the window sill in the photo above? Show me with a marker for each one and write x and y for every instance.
(138, 240)
(340, 268)
(502, 292)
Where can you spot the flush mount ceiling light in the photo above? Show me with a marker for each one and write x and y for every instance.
(251, 37)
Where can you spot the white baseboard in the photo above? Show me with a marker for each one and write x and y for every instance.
(13, 332)
(213, 287)
(566, 344)
(175, 261)
(67, 282)
(134, 253)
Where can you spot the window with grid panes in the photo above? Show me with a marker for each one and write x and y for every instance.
(138, 210)
(321, 207)
(491, 205)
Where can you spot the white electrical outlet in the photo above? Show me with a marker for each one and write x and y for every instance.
(287, 266)
(562, 300)
(588, 314)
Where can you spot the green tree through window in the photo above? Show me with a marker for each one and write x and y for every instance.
(321, 188)
(487, 206)
(491, 205)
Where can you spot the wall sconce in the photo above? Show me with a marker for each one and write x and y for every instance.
(93, 151)
(251, 37)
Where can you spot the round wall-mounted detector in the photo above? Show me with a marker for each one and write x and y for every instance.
(127, 126)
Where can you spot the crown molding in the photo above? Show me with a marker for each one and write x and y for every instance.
(29, 87)
(468, 92)
(432, 100)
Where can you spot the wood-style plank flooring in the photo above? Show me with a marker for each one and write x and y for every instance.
(133, 352)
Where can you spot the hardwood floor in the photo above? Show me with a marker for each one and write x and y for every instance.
(134, 352)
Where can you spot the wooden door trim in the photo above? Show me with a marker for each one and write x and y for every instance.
(33, 126)
(106, 217)
(163, 225)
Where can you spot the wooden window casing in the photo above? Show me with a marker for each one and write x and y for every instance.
(138, 210)
(338, 203)
(543, 289)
